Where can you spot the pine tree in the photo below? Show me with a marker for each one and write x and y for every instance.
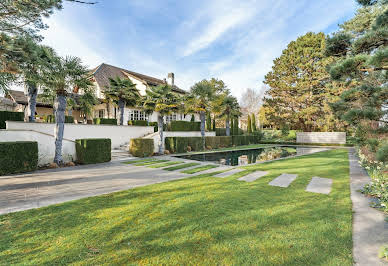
(254, 129)
(362, 49)
(249, 129)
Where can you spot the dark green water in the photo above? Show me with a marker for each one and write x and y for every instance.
(244, 157)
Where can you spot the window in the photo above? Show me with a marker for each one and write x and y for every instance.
(101, 113)
(137, 115)
(170, 118)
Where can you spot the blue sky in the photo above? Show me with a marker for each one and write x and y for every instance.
(235, 41)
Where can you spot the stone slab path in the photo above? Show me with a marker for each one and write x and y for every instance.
(320, 185)
(229, 173)
(370, 230)
(43, 188)
(213, 170)
(284, 180)
(253, 176)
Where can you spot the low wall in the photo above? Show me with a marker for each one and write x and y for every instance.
(166, 134)
(46, 144)
(120, 135)
(321, 137)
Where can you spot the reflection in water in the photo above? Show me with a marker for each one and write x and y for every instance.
(244, 157)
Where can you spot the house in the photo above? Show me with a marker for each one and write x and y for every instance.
(100, 78)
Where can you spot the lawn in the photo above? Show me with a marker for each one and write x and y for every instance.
(201, 220)
(199, 169)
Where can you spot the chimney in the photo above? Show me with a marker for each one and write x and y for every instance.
(170, 77)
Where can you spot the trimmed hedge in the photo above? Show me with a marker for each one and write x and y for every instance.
(222, 132)
(184, 126)
(141, 147)
(18, 157)
(245, 140)
(218, 142)
(143, 123)
(10, 116)
(105, 121)
(51, 119)
(305, 144)
(91, 151)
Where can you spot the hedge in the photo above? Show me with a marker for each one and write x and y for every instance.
(51, 119)
(184, 126)
(245, 140)
(143, 123)
(305, 144)
(141, 147)
(91, 151)
(105, 121)
(10, 116)
(222, 131)
(18, 157)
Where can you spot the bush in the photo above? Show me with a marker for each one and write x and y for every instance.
(222, 132)
(184, 126)
(93, 150)
(18, 157)
(141, 147)
(10, 116)
(382, 153)
(143, 123)
(245, 140)
(51, 119)
(105, 121)
(181, 144)
(69, 119)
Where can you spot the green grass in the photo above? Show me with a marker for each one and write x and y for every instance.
(150, 162)
(199, 169)
(138, 161)
(181, 166)
(165, 164)
(200, 220)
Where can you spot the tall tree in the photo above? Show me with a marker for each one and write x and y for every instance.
(298, 85)
(362, 48)
(64, 74)
(254, 128)
(199, 101)
(123, 92)
(208, 121)
(249, 129)
(229, 107)
(165, 101)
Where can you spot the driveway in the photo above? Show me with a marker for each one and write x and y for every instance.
(43, 188)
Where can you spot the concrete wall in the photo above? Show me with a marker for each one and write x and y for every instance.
(156, 138)
(120, 135)
(46, 144)
(321, 137)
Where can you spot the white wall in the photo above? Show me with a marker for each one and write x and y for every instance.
(321, 137)
(166, 134)
(120, 135)
(46, 144)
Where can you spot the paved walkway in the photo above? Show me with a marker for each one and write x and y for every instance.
(370, 230)
(43, 188)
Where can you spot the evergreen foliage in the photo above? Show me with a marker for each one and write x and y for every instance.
(254, 128)
(249, 129)
(208, 121)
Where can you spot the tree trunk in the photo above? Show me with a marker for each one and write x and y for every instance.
(121, 106)
(202, 116)
(31, 98)
(227, 126)
(160, 130)
(60, 107)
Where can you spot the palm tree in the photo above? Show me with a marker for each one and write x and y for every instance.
(123, 92)
(199, 101)
(63, 74)
(163, 100)
(229, 109)
(86, 102)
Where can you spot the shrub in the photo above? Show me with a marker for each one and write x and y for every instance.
(143, 123)
(51, 119)
(93, 150)
(222, 131)
(382, 153)
(245, 140)
(10, 116)
(184, 126)
(185, 144)
(69, 119)
(105, 121)
(141, 147)
(18, 157)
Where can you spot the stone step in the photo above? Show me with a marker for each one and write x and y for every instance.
(229, 173)
(320, 185)
(253, 176)
(284, 180)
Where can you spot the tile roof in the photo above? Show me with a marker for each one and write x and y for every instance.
(20, 98)
(103, 72)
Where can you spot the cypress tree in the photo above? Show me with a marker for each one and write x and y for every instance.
(249, 129)
(232, 126)
(208, 122)
(214, 123)
(236, 126)
(254, 129)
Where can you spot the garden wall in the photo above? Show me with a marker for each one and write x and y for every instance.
(321, 137)
(120, 135)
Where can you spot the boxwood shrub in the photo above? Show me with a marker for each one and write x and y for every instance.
(18, 157)
(105, 121)
(10, 116)
(181, 144)
(141, 147)
(184, 126)
(143, 123)
(91, 151)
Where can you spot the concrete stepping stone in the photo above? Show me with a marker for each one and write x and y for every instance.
(253, 176)
(213, 170)
(284, 180)
(229, 173)
(320, 185)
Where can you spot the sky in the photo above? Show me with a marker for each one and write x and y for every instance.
(235, 41)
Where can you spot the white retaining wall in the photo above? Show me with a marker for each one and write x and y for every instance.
(166, 134)
(120, 135)
(46, 144)
(321, 137)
